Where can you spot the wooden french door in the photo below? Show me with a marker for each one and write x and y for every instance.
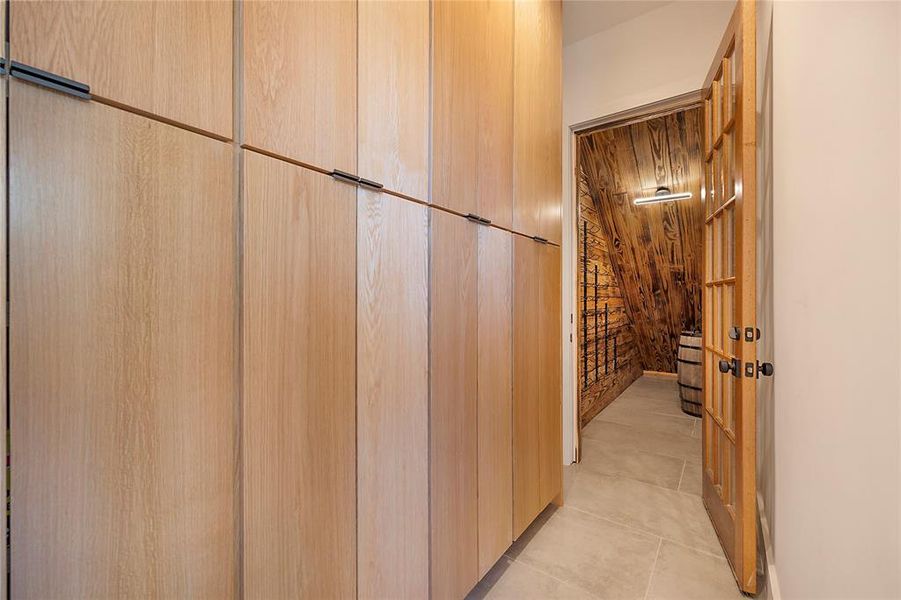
(730, 362)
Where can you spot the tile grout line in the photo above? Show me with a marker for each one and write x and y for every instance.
(681, 475)
(647, 589)
(643, 531)
(639, 481)
(546, 574)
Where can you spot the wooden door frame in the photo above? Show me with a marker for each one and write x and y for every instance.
(637, 114)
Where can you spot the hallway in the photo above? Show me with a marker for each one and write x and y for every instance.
(633, 525)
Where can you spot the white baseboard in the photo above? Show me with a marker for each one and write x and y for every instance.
(772, 584)
(771, 591)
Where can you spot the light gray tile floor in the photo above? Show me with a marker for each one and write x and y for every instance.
(633, 526)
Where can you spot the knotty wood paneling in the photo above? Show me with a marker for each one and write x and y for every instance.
(300, 81)
(393, 77)
(299, 397)
(537, 115)
(122, 354)
(655, 249)
(495, 422)
(605, 370)
(550, 376)
(454, 394)
(526, 392)
(170, 59)
(392, 397)
(472, 101)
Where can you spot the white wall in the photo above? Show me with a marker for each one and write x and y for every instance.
(836, 278)
(660, 54)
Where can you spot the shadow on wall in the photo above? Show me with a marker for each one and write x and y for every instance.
(766, 455)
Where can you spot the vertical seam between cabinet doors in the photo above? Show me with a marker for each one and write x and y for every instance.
(239, 197)
(358, 198)
(429, 294)
(7, 424)
(513, 534)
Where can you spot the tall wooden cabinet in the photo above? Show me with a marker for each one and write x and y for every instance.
(472, 108)
(172, 60)
(537, 380)
(393, 105)
(257, 348)
(123, 354)
(299, 405)
(300, 81)
(454, 404)
(392, 398)
(538, 119)
(495, 406)
(323, 87)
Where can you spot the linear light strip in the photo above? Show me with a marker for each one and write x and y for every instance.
(663, 198)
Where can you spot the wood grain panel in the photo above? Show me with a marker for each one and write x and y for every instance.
(537, 118)
(495, 412)
(454, 394)
(299, 418)
(394, 95)
(300, 81)
(655, 249)
(550, 377)
(169, 59)
(472, 99)
(605, 370)
(392, 398)
(123, 359)
(3, 289)
(526, 393)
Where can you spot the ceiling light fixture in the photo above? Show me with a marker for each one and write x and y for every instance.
(663, 194)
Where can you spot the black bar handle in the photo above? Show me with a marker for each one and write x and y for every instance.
(49, 80)
(539, 239)
(373, 185)
(345, 177)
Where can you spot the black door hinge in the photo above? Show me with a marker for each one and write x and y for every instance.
(49, 80)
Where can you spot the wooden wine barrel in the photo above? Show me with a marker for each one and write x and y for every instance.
(691, 373)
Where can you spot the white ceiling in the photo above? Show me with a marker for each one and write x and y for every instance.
(584, 18)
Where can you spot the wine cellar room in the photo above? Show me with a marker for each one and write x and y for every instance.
(640, 273)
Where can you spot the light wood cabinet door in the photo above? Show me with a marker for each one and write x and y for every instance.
(300, 81)
(454, 389)
(392, 397)
(495, 413)
(526, 391)
(299, 418)
(550, 379)
(538, 119)
(394, 95)
(472, 99)
(122, 354)
(169, 59)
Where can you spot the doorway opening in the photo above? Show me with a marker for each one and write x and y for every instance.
(640, 279)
